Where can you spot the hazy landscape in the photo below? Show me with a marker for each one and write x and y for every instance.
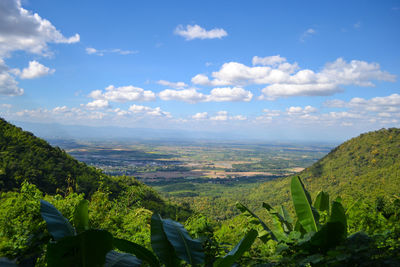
(213, 133)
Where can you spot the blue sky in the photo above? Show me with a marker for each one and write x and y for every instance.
(290, 69)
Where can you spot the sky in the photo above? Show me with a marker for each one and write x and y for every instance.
(309, 70)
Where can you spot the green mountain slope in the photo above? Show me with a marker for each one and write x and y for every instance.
(367, 167)
(24, 157)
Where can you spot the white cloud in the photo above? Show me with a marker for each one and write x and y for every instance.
(23, 30)
(229, 94)
(62, 109)
(99, 103)
(8, 85)
(284, 79)
(268, 115)
(385, 104)
(268, 61)
(35, 70)
(200, 116)
(238, 118)
(234, 73)
(277, 90)
(186, 95)
(221, 116)
(123, 94)
(295, 111)
(309, 32)
(201, 79)
(225, 94)
(176, 85)
(94, 51)
(149, 111)
(191, 32)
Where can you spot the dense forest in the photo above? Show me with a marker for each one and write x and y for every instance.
(353, 222)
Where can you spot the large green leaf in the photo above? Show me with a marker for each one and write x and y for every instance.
(186, 248)
(88, 248)
(58, 226)
(81, 216)
(338, 215)
(321, 202)
(302, 205)
(266, 232)
(238, 250)
(116, 259)
(160, 244)
(285, 214)
(140, 252)
(280, 222)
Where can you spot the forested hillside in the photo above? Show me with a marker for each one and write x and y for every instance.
(367, 167)
(25, 157)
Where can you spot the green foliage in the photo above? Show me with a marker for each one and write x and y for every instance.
(302, 206)
(22, 230)
(88, 248)
(25, 157)
(314, 238)
(185, 247)
(243, 245)
(81, 216)
(133, 248)
(264, 233)
(58, 226)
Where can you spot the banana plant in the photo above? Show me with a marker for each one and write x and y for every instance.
(307, 228)
(79, 245)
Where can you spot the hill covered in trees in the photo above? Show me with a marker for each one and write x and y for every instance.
(366, 167)
(25, 157)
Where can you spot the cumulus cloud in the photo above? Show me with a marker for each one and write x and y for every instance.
(295, 111)
(123, 94)
(386, 104)
(284, 79)
(99, 103)
(200, 116)
(97, 52)
(35, 70)
(176, 85)
(149, 111)
(191, 32)
(8, 85)
(23, 30)
(225, 94)
(186, 95)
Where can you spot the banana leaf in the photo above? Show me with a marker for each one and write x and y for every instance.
(81, 216)
(229, 259)
(302, 205)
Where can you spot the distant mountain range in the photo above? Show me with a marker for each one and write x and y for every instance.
(61, 131)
